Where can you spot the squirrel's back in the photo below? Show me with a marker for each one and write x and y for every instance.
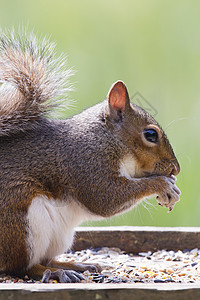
(32, 81)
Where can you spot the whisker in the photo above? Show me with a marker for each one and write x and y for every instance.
(149, 203)
(184, 154)
(175, 121)
(145, 204)
(139, 213)
(174, 166)
(167, 167)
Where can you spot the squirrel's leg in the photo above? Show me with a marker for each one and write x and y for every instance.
(80, 267)
(47, 273)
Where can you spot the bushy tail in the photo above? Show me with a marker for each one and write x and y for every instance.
(31, 78)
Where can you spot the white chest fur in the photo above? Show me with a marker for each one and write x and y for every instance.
(127, 167)
(51, 227)
(51, 223)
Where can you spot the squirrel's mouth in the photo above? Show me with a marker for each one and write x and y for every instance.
(147, 174)
(167, 168)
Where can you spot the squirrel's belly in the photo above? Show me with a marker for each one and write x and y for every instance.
(51, 227)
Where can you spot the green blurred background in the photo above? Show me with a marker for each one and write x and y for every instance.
(152, 45)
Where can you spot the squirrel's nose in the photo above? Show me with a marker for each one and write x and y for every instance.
(176, 169)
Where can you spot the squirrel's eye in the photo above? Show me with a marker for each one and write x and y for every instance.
(151, 135)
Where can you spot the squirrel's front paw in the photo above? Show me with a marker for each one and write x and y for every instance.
(169, 193)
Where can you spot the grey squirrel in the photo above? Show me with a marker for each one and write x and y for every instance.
(56, 174)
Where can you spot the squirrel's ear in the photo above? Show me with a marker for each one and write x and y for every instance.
(118, 99)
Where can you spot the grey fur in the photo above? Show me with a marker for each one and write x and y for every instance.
(78, 158)
(33, 80)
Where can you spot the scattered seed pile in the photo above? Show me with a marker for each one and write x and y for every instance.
(117, 266)
(158, 267)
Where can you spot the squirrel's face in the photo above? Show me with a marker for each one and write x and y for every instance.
(144, 138)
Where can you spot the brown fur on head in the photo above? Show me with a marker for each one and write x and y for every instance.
(142, 135)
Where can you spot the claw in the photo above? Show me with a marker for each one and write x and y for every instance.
(170, 208)
(93, 268)
(62, 276)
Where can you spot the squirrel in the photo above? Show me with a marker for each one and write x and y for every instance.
(55, 173)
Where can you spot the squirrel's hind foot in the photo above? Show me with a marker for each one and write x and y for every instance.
(62, 276)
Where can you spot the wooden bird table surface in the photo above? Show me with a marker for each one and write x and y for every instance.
(144, 249)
